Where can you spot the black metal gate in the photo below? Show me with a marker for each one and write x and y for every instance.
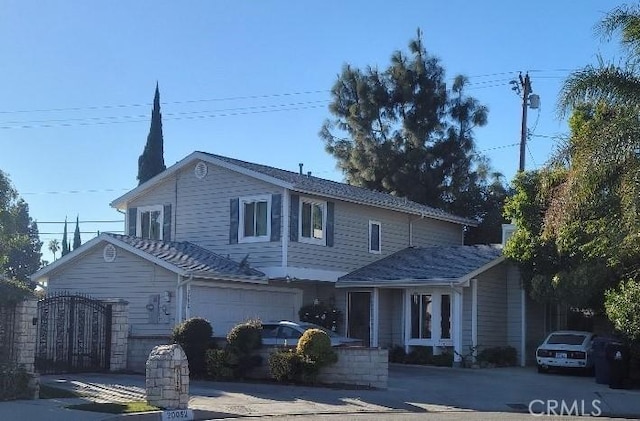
(74, 334)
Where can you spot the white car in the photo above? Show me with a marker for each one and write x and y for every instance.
(286, 333)
(566, 349)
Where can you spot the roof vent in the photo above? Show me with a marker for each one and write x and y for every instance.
(109, 253)
(201, 170)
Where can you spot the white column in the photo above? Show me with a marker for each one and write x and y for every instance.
(457, 326)
(407, 318)
(474, 316)
(375, 305)
(188, 309)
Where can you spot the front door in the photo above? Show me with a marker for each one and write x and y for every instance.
(359, 316)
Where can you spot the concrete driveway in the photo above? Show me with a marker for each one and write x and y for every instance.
(411, 389)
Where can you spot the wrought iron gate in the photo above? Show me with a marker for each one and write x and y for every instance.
(74, 334)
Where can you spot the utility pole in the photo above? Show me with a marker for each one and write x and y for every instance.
(523, 85)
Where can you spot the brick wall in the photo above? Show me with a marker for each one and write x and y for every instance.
(119, 334)
(25, 334)
(356, 366)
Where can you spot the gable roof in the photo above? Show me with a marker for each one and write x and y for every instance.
(300, 183)
(183, 258)
(425, 266)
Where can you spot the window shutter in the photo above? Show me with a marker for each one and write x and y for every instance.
(293, 217)
(330, 212)
(276, 216)
(166, 223)
(234, 216)
(132, 221)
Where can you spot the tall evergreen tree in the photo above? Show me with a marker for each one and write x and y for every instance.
(400, 130)
(65, 243)
(151, 162)
(76, 235)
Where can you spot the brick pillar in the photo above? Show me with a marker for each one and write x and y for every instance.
(119, 334)
(25, 334)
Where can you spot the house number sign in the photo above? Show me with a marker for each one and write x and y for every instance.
(177, 414)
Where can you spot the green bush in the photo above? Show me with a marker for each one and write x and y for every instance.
(14, 382)
(321, 314)
(397, 354)
(220, 363)
(442, 360)
(422, 355)
(623, 308)
(285, 365)
(315, 345)
(501, 356)
(242, 341)
(245, 337)
(194, 336)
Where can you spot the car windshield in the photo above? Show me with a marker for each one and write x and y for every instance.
(566, 339)
(329, 332)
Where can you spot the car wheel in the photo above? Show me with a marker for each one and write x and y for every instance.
(542, 369)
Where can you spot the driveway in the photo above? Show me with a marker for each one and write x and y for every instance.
(411, 388)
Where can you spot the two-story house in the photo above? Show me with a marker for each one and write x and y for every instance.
(229, 240)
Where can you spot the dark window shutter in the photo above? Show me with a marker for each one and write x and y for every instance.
(133, 215)
(293, 217)
(330, 212)
(234, 215)
(276, 216)
(166, 223)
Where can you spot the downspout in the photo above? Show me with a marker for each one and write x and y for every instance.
(410, 231)
(457, 326)
(180, 299)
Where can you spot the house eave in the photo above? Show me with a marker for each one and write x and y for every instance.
(401, 283)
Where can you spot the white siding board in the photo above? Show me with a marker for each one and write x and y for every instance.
(351, 239)
(467, 306)
(492, 307)
(129, 277)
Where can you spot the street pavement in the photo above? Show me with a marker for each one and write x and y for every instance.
(412, 390)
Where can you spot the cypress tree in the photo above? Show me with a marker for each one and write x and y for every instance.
(76, 235)
(65, 243)
(151, 162)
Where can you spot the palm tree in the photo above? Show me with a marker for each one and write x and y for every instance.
(54, 246)
(615, 85)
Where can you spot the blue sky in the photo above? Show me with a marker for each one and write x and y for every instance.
(250, 80)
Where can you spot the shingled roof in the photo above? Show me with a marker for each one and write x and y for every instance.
(189, 257)
(417, 266)
(313, 185)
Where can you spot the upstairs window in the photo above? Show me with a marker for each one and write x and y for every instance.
(254, 219)
(375, 237)
(313, 217)
(150, 222)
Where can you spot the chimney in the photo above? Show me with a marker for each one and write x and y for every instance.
(301, 165)
(309, 174)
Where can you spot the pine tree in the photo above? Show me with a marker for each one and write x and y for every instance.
(151, 162)
(76, 235)
(65, 243)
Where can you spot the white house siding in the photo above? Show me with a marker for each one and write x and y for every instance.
(432, 232)
(129, 277)
(492, 307)
(351, 239)
(467, 334)
(201, 213)
(514, 307)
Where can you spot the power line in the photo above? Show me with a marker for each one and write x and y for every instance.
(81, 232)
(77, 191)
(81, 222)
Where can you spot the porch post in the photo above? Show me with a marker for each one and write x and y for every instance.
(375, 304)
(407, 319)
(474, 317)
(457, 327)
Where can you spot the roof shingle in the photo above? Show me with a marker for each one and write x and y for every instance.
(423, 265)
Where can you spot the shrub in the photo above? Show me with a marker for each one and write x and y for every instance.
(501, 356)
(194, 336)
(623, 308)
(285, 365)
(245, 337)
(442, 360)
(14, 382)
(397, 354)
(315, 345)
(420, 355)
(220, 363)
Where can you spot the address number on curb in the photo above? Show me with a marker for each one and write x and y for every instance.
(177, 414)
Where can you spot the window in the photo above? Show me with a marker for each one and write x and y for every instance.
(313, 221)
(374, 237)
(254, 219)
(150, 222)
(421, 316)
(445, 316)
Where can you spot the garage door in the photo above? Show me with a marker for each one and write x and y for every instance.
(226, 307)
